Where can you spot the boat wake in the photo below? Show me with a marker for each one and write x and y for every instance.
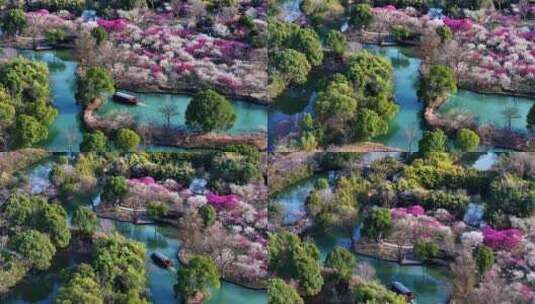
(142, 104)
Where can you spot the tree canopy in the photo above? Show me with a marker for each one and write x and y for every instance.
(377, 223)
(96, 82)
(279, 292)
(209, 111)
(199, 275)
(127, 140)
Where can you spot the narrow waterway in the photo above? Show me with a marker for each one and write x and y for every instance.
(65, 134)
(44, 287)
(430, 284)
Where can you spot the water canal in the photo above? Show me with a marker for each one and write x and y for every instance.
(65, 134)
(43, 287)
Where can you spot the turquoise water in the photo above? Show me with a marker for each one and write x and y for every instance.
(43, 288)
(250, 117)
(493, 105)
(407, 127)
(430, 284)
(65, 134)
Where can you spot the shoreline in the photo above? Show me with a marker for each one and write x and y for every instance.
(151, 90)
(180, 139)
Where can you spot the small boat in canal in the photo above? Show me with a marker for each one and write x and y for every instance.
(161, 260)
(125, 98)
(401, 289)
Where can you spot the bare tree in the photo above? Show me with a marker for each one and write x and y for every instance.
(464, 275)
(169, 111)
(410, 134)
(510, 113)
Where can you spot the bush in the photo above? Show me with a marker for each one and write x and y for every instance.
(157, 209)
(94, 142)
(55, 36)
(210, 111)
(467, 140)
(439, 81)
(127, 140)
(281, 293)
(425, 250)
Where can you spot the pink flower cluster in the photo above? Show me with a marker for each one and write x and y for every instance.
(115, 25)
(458, 25)
(414, 210)
(149, 182)
(506, 239)
(230, 201)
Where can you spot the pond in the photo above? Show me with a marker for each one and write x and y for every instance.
(407, 127)
(65, 134)
(430, 284)
(43, 288)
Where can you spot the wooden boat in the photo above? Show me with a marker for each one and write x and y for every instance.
(161, 260)
(125, 98)
(401, 289)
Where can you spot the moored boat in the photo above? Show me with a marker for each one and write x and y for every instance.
(161, 260)
(401, 289)
(125, 98)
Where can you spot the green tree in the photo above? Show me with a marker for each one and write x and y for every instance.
(289, 256)
(210, 111)
(467, 140)
(433, 141)
(338, 101)
(377, 223)
(439, 81)
(308, 274)
(96, 82)
(208, 214)
(127, 139)
(94, 142)
(35, 246)
(199, 275)
(55, 36)
(308, 142)
(114, 189)
(445, 33)
(511, 195)
(82, 287)
(29, 131)
(401, 32)
(120, 266)
(361, 16)
(157, 209)
(14, 21)
(293, 65)
(21, 209)
(484, 258)
(307, 42)
(337, 42)
(530, 119)
(425, 250)
(99, 34)
(307, 123)
(53, 221)
(343, 261)
(372, 292)
(85, 220)
(281, 293)
(321, 183)
(369, 125)
(7, 114)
